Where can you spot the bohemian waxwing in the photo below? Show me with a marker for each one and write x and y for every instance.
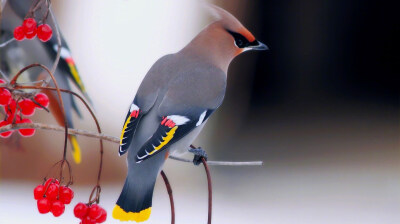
(172, 105)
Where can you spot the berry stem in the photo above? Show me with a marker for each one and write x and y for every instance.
(71, 180)
(47, 11)
(96, 199)
(40, 105)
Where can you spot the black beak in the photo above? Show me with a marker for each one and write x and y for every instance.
(258, 46)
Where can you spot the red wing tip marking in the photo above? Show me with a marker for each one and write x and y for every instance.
(173, 120)
(168, 123)
(135, 113)
(70, 60)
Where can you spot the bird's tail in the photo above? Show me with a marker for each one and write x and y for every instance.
(135, 200)
(76, 149)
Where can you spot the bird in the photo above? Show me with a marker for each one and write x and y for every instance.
(173, 103)
(17, 55)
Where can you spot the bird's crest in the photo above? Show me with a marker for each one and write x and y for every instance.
(228, 21)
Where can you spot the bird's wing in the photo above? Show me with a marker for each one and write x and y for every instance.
(131, 121)
(139, 107)
(171, 129)
(187, 104)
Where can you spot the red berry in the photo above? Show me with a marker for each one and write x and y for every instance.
(29, 25)
(7, 133)
(52, 192)
(28, 132)
(102, 217)
(81, 210)
(43, 205)
(51, 181)
(95, 211)
(19, 33)
(44, 32)
(5, 97)
(27, 107)
(38, 192)
(66, 195)
(42, 99)
(88, 220)
(11, 117)
(57, 208)
(30, 36)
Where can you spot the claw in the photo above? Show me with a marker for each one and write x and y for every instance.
(199, 153)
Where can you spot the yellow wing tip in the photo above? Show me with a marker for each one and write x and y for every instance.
(76, 150)
(124, 128)
(120, 214)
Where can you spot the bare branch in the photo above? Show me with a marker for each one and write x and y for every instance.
(222, 163)
(58, 36)
(113, 139)
(171, 197)
(72, 131)
(7, 42)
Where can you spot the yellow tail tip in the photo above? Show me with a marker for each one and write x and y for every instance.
(120, 214)
(76, 150)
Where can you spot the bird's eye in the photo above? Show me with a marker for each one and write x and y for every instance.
(240, 41)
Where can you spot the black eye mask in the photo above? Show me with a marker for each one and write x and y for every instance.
(241, 41)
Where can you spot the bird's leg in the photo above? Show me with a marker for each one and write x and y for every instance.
(198, 154)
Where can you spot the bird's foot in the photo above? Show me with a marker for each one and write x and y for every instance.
(199, 153)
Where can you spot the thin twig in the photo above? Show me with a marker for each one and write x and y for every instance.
(7, 42)
(116, 140)
(32, 9)
(57, 128)
(31, 83)
(203, 160)
(171, 198)
(222, 163)
(55, 64)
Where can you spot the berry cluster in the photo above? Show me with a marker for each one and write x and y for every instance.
(51, 197)
(29, 30)
(15, 109)
(90, 214)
